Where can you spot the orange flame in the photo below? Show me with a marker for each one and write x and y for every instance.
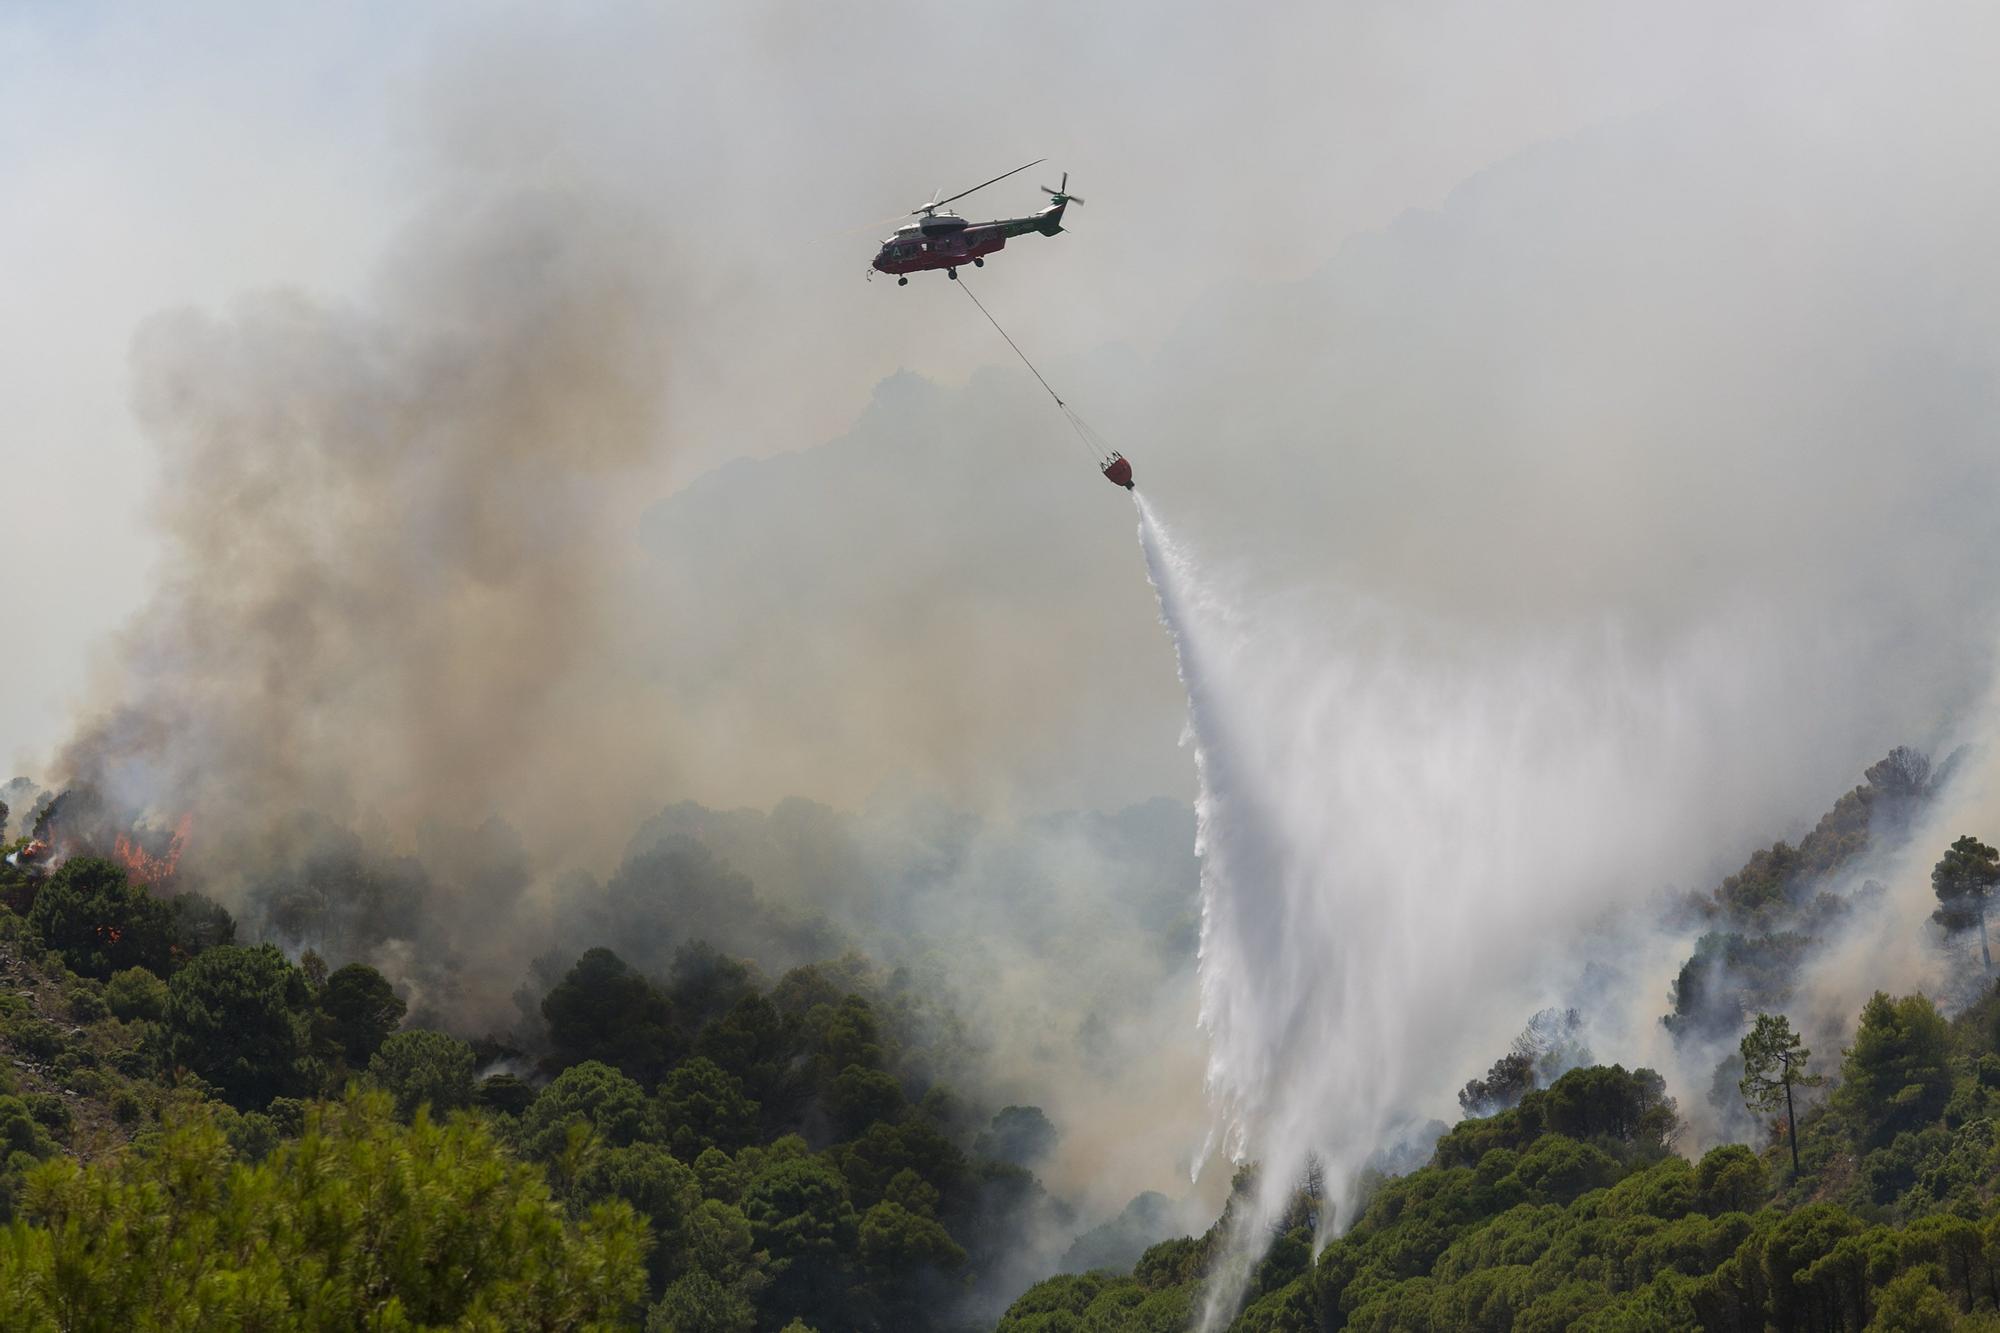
(147, 868)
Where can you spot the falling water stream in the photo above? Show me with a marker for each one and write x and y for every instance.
(1402, 841)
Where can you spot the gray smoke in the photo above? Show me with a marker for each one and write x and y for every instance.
(387, 538)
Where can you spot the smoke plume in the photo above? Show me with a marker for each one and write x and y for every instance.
(388, 542)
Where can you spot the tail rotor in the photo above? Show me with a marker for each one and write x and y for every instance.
(1062, 195)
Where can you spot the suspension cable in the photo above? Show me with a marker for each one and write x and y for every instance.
(1076, 423)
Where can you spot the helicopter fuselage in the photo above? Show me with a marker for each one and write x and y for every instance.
(945, 240)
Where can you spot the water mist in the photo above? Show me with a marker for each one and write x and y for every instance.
(1408, 845)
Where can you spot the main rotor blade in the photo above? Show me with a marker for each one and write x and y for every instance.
(875, 226)
(940, 203)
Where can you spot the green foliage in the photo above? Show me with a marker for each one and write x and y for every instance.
(1912, 1303)
(1018, 1135)
(592, 1094)
(101, 922)
(360, 1223)
(1629, 1111)
(604, 1011)
(1567, 1212)
(420, 1068)
(241, 1019)
(846, 1034)
(1897, 1075)
(702, 1106)
(136, 995)
(1089, 1302)
(896, 1243)
(755, 1042)
(1732, 1179)
(21, 1131)
(200, 924)
(800, 1215)
(1964, 880)
(1774, 1064)
(504, 1094)
(1510, 1078)
(706, 984)
(873, 1161)
(858, 1098)
(661, 1189)
(1768, 914)
(720, 1242)
(1762, 883)
(1730, 975)
(697, 1303)
(359, 1009)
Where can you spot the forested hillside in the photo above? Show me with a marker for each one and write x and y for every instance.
(1577, 1202)
(199, 1130)
(202, 1129)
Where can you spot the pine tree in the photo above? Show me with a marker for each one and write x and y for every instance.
(1774, 1062)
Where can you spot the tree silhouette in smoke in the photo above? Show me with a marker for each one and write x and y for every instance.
(1964, 880)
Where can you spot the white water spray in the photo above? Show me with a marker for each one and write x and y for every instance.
(1406, 842)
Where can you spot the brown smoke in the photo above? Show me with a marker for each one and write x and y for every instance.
(386, 553)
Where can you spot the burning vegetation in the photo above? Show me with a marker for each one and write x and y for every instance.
(148, 867)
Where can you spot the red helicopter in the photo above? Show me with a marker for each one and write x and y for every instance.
(946, 240)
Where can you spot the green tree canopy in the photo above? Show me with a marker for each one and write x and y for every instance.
(1897, 1074)
(1017, 1135)
(1964, 879)
(1774, 1063)
(359, 1010)
(592, 1093)
(603, 1010)
(241, 1019)
(136, 995)
(360, 1223)
(756, 1043)
(702, 1106)
(100, 922)
(422, 1068)
(706, 983)
(697, 1303)
(200, 924)
(660, 1188)
(800, 1215)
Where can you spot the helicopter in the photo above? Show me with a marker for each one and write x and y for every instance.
(945, 240)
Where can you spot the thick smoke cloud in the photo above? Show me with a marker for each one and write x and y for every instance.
(387, 549)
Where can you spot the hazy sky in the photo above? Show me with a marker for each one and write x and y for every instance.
(158, 158)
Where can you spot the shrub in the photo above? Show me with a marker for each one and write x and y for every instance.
(136, 995)
(87, 1006)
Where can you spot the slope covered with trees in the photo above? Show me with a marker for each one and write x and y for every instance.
(1870, 1201)
(196, 1129)
(1571, 1210)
